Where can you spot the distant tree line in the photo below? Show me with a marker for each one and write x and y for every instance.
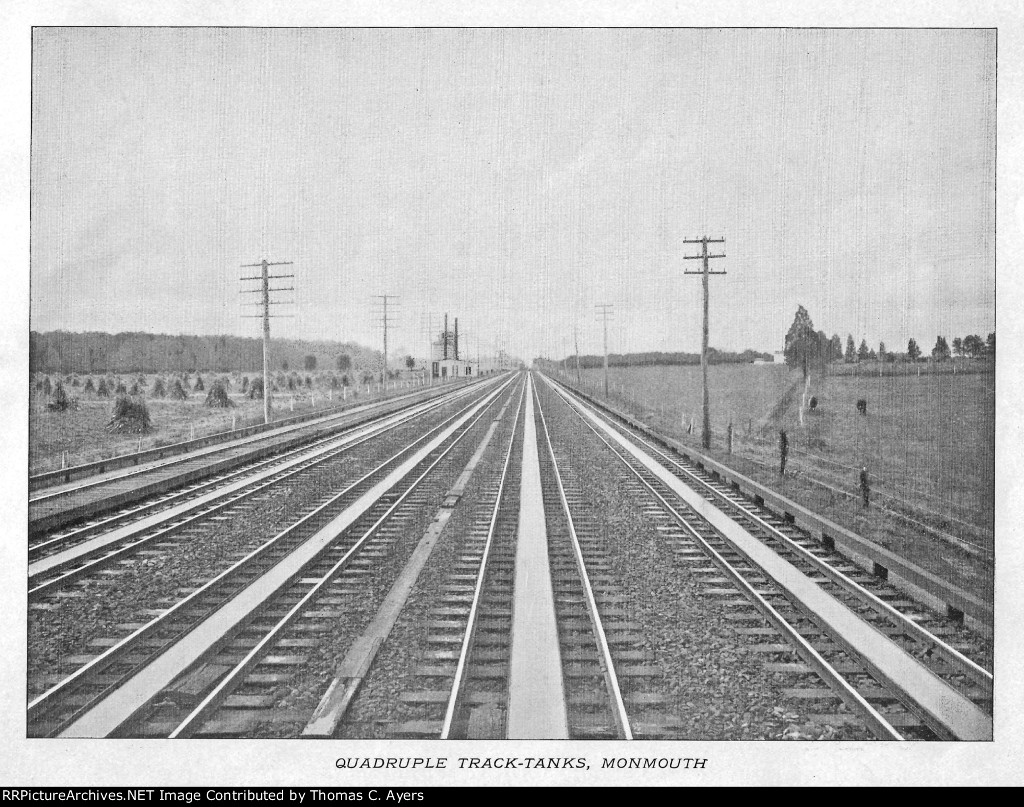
(662, 358)
(809, 349)
(64, 352)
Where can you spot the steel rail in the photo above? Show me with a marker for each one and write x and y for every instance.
(134, 639)
(873, 718)
(459, 684)
(220, 441)
(611, 678)
(317, 443)
(949, 654)
(213, 699)
(229, 499)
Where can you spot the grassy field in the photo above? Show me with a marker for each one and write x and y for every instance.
(83, 434)
(927, 441)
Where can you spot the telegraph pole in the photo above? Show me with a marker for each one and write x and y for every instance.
(576, 340)
(705, 272)
(604, 313)
(384, 321)
(264, 289)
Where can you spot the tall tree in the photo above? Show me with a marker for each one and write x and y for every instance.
(881, 351)
(835, 348)
(851, 349)
(801, 346)
(913, 351)
(863, 352)
(973, 346)
(958, 346)
(990, 345)
(941, 350)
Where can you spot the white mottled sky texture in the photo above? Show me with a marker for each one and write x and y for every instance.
(515, 178)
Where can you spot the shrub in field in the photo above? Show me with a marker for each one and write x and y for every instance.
(256, 389)
(199, 387)
(185, 383)
(245, 383)
(224, 381)
(141, 381)
(39, 384)
(309, 381)
(134, 389)
(121, 389)
(814, 403)
(75, 382)
(130, 416)
(217, 397)
(344, 380)
(47, 386)
(862, 406)
(159, 390)
(334, 382)
(178, 392)
(89, 386)
(59, 401)
(291, 382)
(101, 390)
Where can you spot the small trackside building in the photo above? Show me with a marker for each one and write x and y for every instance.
(445, 360)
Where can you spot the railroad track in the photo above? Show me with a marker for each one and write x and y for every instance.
(207, 445)
(459, 690)
(71, 555)
(170, 675)
(840, 641)
(85, 499)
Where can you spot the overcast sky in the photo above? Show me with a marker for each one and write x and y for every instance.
(515, 178)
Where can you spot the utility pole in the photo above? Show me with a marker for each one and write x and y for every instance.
(384, 322)
(705, 272)
(576, 340)
(604, 313)
(264, 289)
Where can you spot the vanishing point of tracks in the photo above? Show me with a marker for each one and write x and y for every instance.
(518, 611)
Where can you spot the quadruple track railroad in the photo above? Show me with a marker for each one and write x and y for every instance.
(510, 614)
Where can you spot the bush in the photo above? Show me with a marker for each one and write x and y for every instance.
(185, 383)
(814, 402)
(256, 389)
(245, 383)
(47, 386)
(39, 384)
(121, 388)
(89, 386)
(130, 416)
(101, 390)
(159, 390)
(291, 383)
(178, 392)
(862, 406)
(334, 382)
(141, 381)
(134, 389)
(217, 397)
(75, 382)
(344, 380)
(59, 402)
(199, 387)
(309, 381)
